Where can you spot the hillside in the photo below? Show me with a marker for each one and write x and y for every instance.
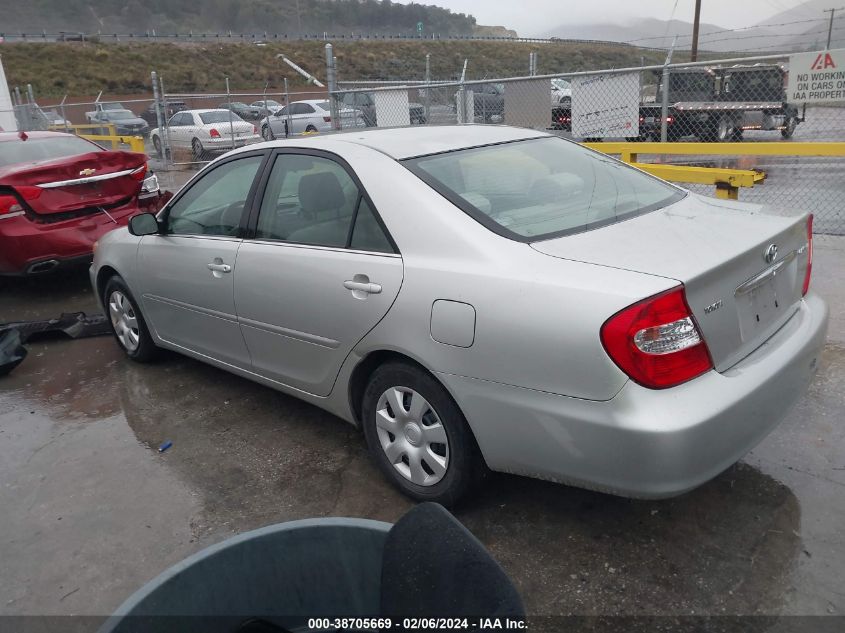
(82, 70)
(274, 16)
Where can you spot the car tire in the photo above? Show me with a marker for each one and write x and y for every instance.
(157, 146)
(311, 129)
(127, 323)
(197, 148)
(789, 128)
(403, 444)
(267, 133)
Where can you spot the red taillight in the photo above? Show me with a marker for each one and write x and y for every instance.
(10, 203)
(809, 271)
(656, 341)
(214, 133)
(670, 119)
(327, 119)
(254, 129)
(140, 173)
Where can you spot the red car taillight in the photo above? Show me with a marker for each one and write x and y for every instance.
(214, 133)
(809, 271)
(140, 173)
(10, 203)
(327, 119)
(656, 341)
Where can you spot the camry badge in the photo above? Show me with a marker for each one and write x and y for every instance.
(87, 172)
(771, 253)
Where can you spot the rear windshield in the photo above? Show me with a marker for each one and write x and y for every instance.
(325, 105)
(219, 117)
(38, 149)
(542, 188)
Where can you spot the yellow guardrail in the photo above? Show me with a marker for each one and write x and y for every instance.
(727, 181)
(135, 143)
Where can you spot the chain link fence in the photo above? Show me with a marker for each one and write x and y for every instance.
(733, 101)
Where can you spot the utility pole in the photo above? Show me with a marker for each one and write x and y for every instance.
(695, 23)
(830, 27)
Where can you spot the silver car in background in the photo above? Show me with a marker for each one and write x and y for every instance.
(308, 116)
(482, 297)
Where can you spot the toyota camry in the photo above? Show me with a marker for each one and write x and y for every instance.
(482, 297)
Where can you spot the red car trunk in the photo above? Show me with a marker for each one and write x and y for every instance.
(97, 179)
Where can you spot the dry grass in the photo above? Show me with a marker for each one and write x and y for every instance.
(77, 69)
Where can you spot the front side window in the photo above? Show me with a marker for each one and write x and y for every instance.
(542, 188)
(314, 200)
(213, 205)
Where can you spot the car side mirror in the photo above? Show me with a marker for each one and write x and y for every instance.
(143, 224)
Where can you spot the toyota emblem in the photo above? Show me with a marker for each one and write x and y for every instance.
(771, 253)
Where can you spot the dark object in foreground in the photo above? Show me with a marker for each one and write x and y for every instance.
(12, 351)
(274, 579)
(73, 324)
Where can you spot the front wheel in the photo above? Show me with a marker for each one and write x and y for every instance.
(127, 323)
(789, 129)
(157, 146)
(267, 133)
(417, 435)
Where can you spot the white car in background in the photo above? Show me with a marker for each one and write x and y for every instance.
(206, 132)
(561, 93)
(313, 115)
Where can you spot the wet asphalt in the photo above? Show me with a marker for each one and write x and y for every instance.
(90, 510)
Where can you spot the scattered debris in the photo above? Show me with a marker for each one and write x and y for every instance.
(165, 446)
(12, 351)
(73, 324)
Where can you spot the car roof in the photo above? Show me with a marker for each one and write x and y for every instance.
(15, 136)
(408, 142)
(203, 111)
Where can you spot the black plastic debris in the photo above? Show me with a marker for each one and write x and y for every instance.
(72, 324)
(12, 351)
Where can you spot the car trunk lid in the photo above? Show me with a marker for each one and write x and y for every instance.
(721, 252)
(96, 179)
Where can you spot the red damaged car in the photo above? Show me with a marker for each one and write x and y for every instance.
(59, 193)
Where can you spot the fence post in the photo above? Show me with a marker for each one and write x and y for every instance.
(159, 117)
(664, 107)
(64, 117)
(331, 81)
(231, 125)
(166, 128)
(427, 100)
(287, 110)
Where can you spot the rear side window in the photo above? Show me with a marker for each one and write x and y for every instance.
(219, 117)
(542, 188)
(314, 200)
(39, 149)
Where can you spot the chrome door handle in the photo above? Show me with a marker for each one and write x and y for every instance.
(360, 286)
(220, 268)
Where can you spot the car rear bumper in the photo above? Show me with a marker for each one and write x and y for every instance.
(28, 247)
(644, 442)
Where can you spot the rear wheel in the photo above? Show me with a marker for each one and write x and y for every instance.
(197, 148)
(127, 322)
(418, 436)
(725, 129)
(311, 129)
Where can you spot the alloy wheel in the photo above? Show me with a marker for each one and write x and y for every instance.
(124, 321)
(412, 436)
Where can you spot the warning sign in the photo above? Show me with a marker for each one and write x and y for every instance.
(816, 77)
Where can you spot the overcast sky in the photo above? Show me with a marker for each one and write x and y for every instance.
(537, 17)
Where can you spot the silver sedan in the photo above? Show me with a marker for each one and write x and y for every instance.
(478, 298)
